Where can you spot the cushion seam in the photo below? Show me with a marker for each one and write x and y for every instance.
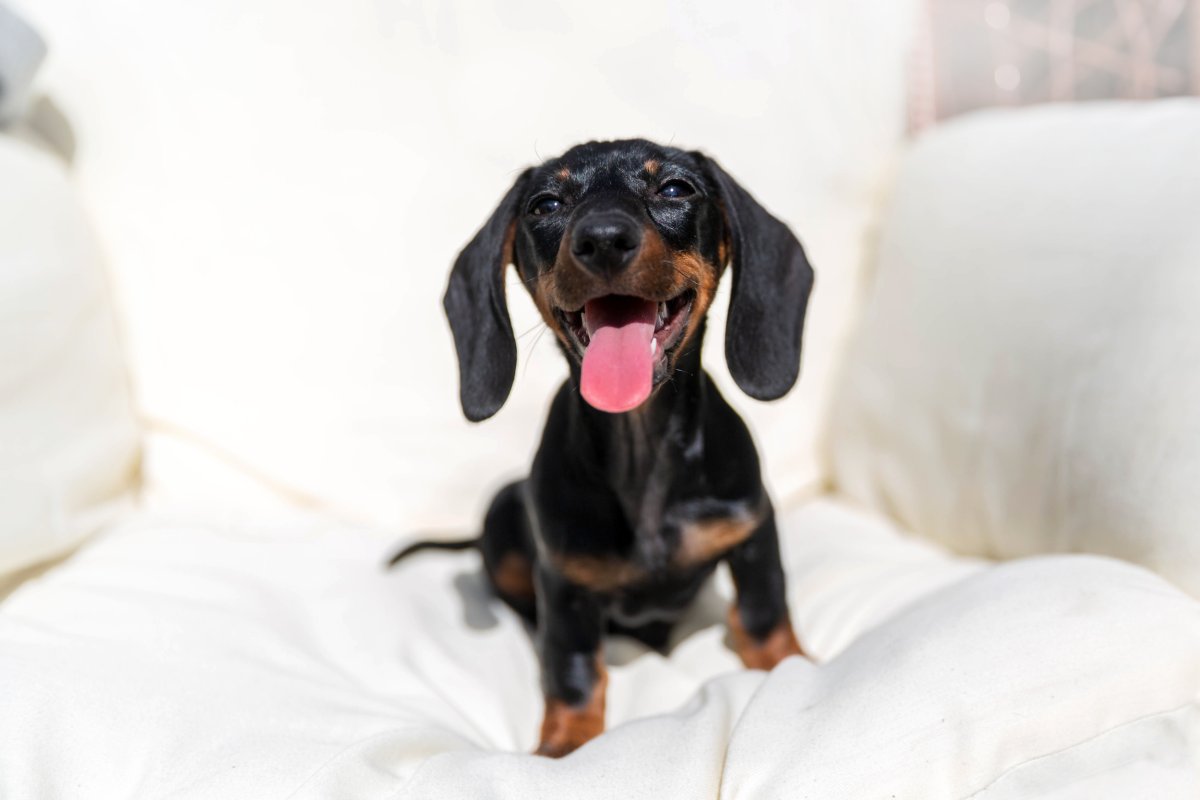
(1190, 704)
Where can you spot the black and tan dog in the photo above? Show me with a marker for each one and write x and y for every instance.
(645, 478)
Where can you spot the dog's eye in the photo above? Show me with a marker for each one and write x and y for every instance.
(547, 204)
(676, 189)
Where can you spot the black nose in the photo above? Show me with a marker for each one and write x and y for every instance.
(606, 242)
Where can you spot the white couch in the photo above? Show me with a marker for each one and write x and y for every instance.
(996, 383)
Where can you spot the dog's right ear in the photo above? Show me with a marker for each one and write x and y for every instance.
(476, 306)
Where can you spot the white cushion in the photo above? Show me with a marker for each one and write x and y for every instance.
(21, 52)
(68, 435)
(1025, 380)
(283, 189)
(181, 659)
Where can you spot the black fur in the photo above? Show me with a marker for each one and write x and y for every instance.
(478, 312)
(618, 524)
(771, 284)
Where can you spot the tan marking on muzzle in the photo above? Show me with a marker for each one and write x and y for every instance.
(652, 275)
(701, 276)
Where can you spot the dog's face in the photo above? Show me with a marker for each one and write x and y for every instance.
(621, 245)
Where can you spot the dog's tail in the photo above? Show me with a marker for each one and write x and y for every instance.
(432, 544)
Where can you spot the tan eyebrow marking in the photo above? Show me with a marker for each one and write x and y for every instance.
(563, 173)
(651, 166)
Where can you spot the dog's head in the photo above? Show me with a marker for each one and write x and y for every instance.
(622, 245)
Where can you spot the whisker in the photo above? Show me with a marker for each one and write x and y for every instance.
(532, 328)
(691, 280)
(538, 338)
(532, 346)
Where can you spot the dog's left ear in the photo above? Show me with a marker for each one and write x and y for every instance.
(477, 308)
(771, 284)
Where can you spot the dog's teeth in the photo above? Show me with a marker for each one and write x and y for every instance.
(653, 346)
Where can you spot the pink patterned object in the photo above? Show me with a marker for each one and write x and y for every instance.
(977, 53)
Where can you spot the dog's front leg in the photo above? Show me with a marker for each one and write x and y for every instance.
(758, 620)
(570, 627)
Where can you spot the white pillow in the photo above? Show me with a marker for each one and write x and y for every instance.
(68, 435)
(220, 661)
(21, 53)
(1026, 378)
(283, 188)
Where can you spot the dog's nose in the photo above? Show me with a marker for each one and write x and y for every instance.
(606, 242)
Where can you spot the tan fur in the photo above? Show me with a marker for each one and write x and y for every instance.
(513, 576)
(566, 727)
(698, 274)
(779, 643)
(704, 541)
(568, 285)
(598, 573)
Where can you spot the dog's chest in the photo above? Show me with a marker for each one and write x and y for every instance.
(703, 540)
(676, 521)
(676, 538)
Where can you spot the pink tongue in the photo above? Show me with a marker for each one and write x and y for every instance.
(618, 367)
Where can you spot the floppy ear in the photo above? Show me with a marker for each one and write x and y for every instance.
(771, 283)
(478, 311)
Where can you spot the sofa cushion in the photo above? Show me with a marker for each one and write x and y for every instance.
(21, 53)
(176, 658)
(68, 434)
(1025, 376)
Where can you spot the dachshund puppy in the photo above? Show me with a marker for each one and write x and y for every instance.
(645, 479)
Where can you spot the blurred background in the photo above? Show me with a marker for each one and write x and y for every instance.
(277, 188)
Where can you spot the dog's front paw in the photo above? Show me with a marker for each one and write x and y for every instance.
(565, 727)
(763, 653)
(556, 749)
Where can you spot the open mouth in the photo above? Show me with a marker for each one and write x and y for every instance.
(625, 343)
(670, 318)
